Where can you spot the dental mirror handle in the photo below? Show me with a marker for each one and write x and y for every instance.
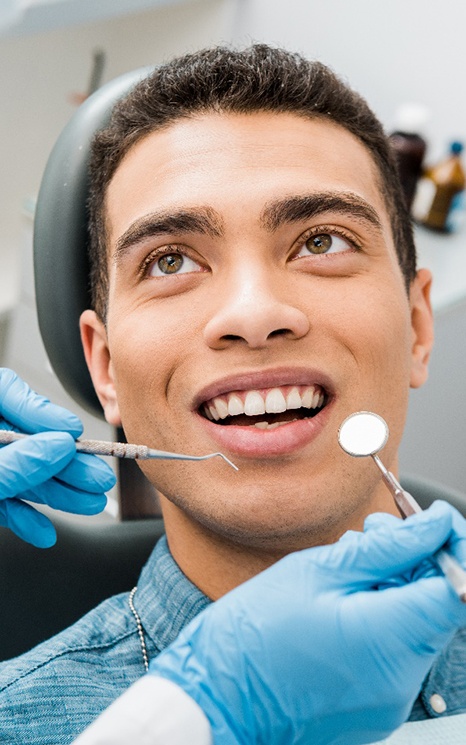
(405, 502)
(407, 505)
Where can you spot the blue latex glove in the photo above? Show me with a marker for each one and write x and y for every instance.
(311, 651)
(44, 468)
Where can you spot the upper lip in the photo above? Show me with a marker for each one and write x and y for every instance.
(255, 380)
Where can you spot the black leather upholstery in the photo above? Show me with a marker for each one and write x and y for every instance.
(44, 591)
(61, 240)
(61, 267)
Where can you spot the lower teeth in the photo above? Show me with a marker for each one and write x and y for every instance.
(274, 425)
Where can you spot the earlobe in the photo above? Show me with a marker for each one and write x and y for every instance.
(97, 354)
(422, 327)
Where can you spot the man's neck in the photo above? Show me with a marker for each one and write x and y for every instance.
(216, 564)
(212, 563)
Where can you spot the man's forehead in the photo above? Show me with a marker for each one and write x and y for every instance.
(261, 157)
(256, 135)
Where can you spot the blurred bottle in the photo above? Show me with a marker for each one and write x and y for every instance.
(409, 146)
(439, 201)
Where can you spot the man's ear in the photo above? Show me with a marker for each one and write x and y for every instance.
(97, 354)
(422, 326)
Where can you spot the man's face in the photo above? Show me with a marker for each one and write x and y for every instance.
(255, 302)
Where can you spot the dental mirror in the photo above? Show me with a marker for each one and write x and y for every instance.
(363, 434)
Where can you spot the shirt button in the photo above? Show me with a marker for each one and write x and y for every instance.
(438, 703)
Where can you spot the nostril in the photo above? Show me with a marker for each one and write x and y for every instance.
(271, 335)
(279, 332)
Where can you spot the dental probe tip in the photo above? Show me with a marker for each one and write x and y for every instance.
(151, 453)
(227, 460)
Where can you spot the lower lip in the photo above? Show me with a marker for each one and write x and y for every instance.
(251, 442)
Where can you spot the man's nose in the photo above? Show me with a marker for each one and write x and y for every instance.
(255, 311)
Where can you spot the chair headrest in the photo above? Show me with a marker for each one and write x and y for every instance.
(61, 264)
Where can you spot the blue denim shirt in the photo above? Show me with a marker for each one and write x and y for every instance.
(49, 695)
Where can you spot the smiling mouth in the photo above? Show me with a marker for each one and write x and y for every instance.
(265, 408)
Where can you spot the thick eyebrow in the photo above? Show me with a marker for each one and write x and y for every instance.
(299, 208)
(203, 220)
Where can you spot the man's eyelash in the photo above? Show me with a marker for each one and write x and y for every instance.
(329, 230)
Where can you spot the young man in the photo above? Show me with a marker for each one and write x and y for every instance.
(254, 283)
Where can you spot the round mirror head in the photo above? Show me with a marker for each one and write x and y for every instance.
(363, 433)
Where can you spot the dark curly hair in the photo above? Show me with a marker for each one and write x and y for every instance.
(259, 78)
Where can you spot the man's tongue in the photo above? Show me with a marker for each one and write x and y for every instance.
(263, 420)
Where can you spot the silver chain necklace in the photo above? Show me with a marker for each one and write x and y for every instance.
(142, 640)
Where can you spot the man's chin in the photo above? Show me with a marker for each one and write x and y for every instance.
(253, 529)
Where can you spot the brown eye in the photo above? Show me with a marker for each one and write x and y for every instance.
(319, 244)
(170, 263)
(323, 244)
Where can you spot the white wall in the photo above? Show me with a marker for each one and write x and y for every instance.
(39, 72)
(391, 51)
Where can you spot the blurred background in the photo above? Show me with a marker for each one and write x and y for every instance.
(53, 53)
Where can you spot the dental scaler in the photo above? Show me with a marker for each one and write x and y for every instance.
(120, 449)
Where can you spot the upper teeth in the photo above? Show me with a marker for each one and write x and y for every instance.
(257, 402)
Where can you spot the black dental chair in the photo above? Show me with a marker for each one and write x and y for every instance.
(43, 591)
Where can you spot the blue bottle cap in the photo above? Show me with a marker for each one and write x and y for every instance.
(456, 147)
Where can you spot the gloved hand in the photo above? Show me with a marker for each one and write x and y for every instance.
(44, 468)
(311, 651)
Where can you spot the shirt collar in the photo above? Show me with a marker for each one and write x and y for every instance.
(166, 599)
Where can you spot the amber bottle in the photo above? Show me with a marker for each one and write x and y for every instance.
(439, 196)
